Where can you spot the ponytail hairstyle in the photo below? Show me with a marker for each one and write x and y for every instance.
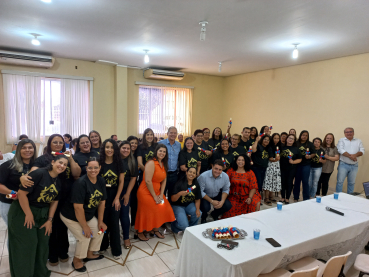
(17, 161)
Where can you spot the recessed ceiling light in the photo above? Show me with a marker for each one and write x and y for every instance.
(35, 41)
(203, 30)
(295, 53)
(146, 58)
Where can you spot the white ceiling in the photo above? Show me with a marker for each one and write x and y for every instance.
(246, 35)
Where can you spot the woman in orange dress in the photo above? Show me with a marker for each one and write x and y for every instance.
(153, 209)
(243, 193)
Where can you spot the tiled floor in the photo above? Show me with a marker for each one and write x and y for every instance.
(155, 257)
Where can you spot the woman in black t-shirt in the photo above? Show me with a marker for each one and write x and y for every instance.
(265, 130)
(216, 137)
(11, 171)
(204, 156)
(58, 243)
(130, 178)
(290, 158)
(206, 132)
(253, 135)
(189, 157)
(96, 141)
(113, 173)
(316, 167)
(283, 138)
(303, 168)
(261, 153)
(145, 151)
(185, 202)
(224, 154)
(84, 152)
(134, 145)
(30, 220)
(88, 197)
(235, 148)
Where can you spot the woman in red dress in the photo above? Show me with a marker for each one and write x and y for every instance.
(153, 208)
(243, 193)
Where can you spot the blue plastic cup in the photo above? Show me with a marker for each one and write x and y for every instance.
(279, 206)
(319, 199)
(256, 234)
(336, 194)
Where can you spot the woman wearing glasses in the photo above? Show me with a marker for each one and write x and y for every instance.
(84, 153)
(87, 198)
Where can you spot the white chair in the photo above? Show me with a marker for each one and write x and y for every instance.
(333, 268)
(280, 272)
(362, 264)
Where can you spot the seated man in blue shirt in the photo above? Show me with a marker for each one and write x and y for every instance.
(214, 185)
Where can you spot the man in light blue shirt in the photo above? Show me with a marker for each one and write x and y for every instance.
(173, 147)
(214, 185)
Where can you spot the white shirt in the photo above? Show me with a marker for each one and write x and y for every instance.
(7, 157)
(350, 146)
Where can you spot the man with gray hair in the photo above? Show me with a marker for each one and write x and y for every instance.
(350, 149)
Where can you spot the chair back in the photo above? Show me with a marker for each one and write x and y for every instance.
(306, 273)
(334, 266)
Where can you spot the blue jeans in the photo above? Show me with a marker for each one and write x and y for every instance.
(315, 173)
(124, 216)
(181, 222)
(349, 171)
(4, 210)
(302, 174)
(260, 176)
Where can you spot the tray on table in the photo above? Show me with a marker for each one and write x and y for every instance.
(208, 234)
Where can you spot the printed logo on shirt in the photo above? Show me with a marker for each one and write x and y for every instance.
(188, 198)
(110, 178)
(316, 158)
(202, 155)
(302, 150)
(48, 194)
(264, 155)
(192, 163)
(95, 199)
(67, 172)
(236, 154)
(149, 155)
(286, 152)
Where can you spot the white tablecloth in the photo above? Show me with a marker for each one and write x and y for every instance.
(303, 229)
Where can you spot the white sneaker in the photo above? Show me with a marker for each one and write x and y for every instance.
(116, 257)
(102, 252)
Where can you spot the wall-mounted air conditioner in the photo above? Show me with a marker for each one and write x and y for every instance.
(151, 73)
(24, 59)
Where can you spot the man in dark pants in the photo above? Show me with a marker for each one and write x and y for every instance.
(214, 185)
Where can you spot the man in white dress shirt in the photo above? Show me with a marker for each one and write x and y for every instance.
(350, 149)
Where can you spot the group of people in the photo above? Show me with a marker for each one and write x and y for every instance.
(88, 186)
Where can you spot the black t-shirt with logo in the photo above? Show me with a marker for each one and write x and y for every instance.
(128, 174)
(45, 189)
(87, 193)
(203, 157)
(251, 141)
(303, 148)
(285, 151)
(82, 158)
(9, 177)
(182, 185)
(261, 156)
(188, 159)
(315, 160)
(237, 151)
(145, 153)
(214, 143)
(229, 158)
(96, 149)
(246, 145)
(110, 173)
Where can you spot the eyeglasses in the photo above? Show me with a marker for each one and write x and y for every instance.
(83, 143)
(92, 168)
(348, 132)
(58, 142)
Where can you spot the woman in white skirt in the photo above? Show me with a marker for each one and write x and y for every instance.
(272, 181)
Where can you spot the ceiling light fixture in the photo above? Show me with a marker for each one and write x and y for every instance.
(295, 53)
(220, 67)
(203, 30)
(146, 58)
(46, 1)
(35, 41)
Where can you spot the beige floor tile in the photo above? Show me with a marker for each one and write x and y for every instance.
(2, 236)
(147, 267)
(5, 275)
(168, 274)
(113, 271)
(1, 248)
(169, 239)
(4, 265)
(170, 258)
(99, 264)
(137, 253)
(5, 250)
(3, 226)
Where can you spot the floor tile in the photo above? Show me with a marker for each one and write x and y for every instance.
(137, 253)
(75, 273)
(4, 265)
(170, 258)
(168, 274)
(5, 275)
(2, 236)
(95, 265)
(147, 267)
(1, 248)
(169, 239)
(113, 271)
(3, 226)
(5, 250)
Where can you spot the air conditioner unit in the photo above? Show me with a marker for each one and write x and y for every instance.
(24, 59)
(151, 73)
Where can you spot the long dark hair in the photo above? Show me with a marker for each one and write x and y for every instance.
(49, 157)
(116, 156)
(274, 146)
(324, 144)
(131, 159)
(93, 131)
(184, 178)
(247, 165)
(299, 143)
(144, 142)
(262, 129)
(49, 167)
(262, 139)
(220, 135)
(220, 145)
(130, 138)
(184, 149)
(78, 149)
(256, 129)
(155, 156)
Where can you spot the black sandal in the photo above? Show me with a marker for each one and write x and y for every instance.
(140, 238)
(154, 234)
(94, 259)
(273, 200)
